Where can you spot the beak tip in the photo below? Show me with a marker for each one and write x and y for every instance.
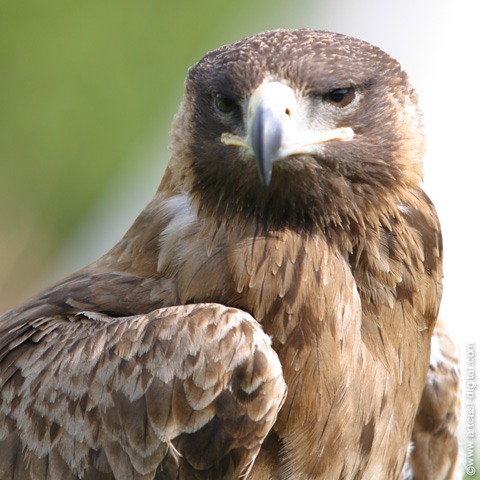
(266, 179)
(264, 175)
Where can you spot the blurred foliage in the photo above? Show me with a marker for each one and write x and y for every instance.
(81, 83)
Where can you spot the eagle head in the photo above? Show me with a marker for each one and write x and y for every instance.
(298, 128)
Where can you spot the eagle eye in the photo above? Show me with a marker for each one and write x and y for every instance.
(340, 97)
(224, 104)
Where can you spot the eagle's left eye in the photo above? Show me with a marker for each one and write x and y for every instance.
(340, 97)
(224, 104)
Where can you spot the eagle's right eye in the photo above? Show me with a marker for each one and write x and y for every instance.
(340, 97)
(224, 104)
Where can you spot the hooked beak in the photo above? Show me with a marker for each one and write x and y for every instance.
(266, 134)
(274, 130)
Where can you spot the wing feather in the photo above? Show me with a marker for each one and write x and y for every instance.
(190, 391)
(435, 443)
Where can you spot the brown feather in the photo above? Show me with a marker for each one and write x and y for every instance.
(148, 363)
(130, 402)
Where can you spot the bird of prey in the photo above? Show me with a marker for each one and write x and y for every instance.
(270, 313)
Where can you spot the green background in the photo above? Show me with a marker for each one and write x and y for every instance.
(84, 89)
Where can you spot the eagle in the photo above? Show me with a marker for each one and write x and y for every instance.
(273, 312)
